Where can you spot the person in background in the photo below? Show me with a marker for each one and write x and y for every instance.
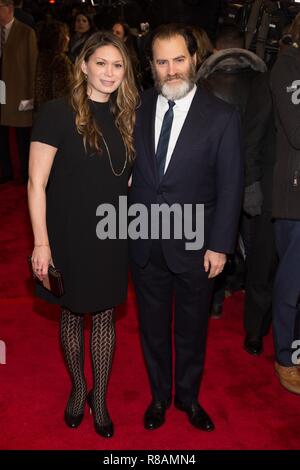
(228, 74)
(259, 151)
(54, 71)
(204, 45)
(83, 28)
(22, 15)
(286, 212)
(82, 152)
(18, 57)
(122, 31)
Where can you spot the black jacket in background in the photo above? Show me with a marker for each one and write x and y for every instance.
(286, 181)
(24, 17)
(228, 74)
(259, 137)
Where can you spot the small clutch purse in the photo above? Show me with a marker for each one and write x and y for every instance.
(53, 282)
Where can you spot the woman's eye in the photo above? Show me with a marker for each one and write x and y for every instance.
(119, 66)
(100, 63)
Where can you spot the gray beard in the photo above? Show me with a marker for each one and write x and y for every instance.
(171, 92)
(176, 92)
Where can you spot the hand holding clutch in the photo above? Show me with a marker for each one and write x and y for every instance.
(53, 281)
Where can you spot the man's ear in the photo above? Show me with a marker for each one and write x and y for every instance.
(194, 59)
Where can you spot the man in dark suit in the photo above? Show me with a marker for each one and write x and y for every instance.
(188, 153)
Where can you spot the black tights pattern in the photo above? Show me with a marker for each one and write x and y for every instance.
(102, 343)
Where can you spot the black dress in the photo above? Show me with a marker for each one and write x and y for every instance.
(94, 270)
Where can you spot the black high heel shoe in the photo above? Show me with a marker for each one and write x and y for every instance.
(104, 430)
(73, 421)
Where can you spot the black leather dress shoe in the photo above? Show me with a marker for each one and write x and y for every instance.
(197, 415)
(253, 346)
(155, 414)
(73, 421)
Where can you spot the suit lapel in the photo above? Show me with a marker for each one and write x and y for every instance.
(196, 118)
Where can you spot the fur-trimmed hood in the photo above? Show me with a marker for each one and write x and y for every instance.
(231, 61)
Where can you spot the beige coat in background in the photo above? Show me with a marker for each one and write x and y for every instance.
(18, 73)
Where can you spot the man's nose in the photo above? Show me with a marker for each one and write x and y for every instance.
(171, 68)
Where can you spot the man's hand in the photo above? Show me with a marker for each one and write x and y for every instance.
(214, 263)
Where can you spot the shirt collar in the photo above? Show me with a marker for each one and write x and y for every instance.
(9, 25)
(183, 103)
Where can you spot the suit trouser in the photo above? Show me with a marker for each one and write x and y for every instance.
(23, 143)
(156, 286)
(262, 262)
(286, 295)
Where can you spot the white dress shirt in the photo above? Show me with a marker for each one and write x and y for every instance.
(180, 110)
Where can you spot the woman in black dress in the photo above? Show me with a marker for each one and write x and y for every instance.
(80, 157)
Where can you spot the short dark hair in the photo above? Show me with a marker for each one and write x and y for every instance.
(168, 31)
(125, 26)
(229, 36)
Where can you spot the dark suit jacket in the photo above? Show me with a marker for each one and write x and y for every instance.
(205, 168)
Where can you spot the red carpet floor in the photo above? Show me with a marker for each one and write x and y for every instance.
(241, 393)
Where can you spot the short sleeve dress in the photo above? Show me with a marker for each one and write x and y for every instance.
(94, 270)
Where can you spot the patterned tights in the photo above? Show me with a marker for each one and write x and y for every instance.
(102, 343)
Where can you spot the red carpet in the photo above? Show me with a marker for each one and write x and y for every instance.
(241, 393)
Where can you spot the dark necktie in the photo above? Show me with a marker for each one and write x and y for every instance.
(163, 141)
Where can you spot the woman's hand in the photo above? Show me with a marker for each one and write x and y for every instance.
(40, 259)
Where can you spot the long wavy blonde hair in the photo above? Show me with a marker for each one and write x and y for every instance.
(123, 101)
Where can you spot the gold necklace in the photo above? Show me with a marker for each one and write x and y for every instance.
(108, 153)
(109, 157)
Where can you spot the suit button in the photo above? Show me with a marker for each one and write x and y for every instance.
(159, 192)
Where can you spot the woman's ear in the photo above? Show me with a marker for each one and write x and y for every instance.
(84, 67)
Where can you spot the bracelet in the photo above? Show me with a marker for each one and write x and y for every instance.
(39, 245)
